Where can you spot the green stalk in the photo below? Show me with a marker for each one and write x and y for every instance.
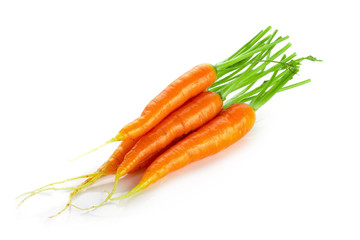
(243, 63)
(280, 77)
(247, 78)
(220, 84)
(257, 103)
(251, 42)
(238, 74)
(227, 63)
(250, 97)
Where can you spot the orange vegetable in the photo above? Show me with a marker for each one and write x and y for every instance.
(159, 137)
(176, 94)
(227, 128)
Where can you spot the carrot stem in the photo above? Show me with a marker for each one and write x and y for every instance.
(261, 94)
(251, 73)
(295, 85)
(251, 42)
(227, 63)
(254, 77)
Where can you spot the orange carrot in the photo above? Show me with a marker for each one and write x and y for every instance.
(192, 115)
(176, 94)
(227, 128)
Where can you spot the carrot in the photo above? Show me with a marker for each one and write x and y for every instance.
(184, 106)
(192, 115)
(227, 128)
(250, 76)
(176, 94)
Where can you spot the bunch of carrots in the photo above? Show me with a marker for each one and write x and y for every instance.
(202, 112)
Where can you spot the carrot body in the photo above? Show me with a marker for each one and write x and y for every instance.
(172, 97)
(227, 128)
(192, 115)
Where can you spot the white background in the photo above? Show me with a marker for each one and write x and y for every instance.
(74, 72)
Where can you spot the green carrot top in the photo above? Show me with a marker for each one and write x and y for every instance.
(238, 74)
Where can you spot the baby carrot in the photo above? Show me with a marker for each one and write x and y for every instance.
(227, 128)
(176, 94)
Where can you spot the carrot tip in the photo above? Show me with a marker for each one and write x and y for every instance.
(42, 190)
(55, 183)
(48, 188)
(67, 205)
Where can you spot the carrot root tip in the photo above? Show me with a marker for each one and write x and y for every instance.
(115, 139)
(55, 183)
(67, 205)
(42, 190)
